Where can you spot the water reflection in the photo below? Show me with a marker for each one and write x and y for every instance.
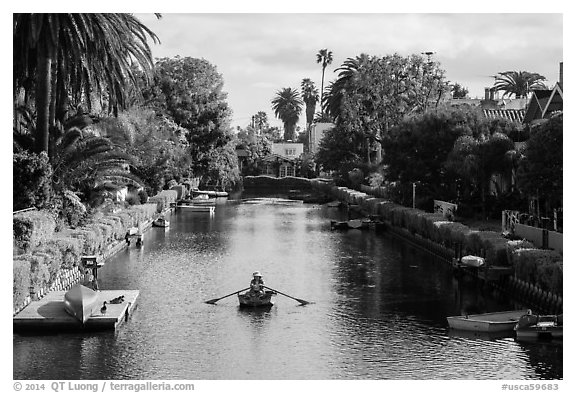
(379, 308)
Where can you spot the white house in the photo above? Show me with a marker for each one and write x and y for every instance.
(316, 134)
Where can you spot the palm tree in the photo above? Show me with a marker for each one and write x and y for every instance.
(287, 106)
(345, 82)
(63, 56)
(323, 56)
(519, 83)
(310, 97)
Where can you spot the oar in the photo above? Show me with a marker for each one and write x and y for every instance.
(213, 301)
(303, 302)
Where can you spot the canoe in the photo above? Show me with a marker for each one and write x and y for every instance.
(488, 322)
(472, 261)
(161, 222)
(203, 202)
(81, 302)
(535, 327)
(249, 299)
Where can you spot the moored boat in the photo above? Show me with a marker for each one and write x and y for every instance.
(199, 208)
(488, 322)
(81, 302)
(536, 327)
(472, 261)
(251, 299)
(210, 194)
(203, 202)
(161, 222)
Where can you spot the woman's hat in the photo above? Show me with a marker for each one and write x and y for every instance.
(256, 274)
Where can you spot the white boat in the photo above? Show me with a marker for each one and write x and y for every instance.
(81, 302)
(472, 261)
(199, 208)
(488, 322)
(534, 327)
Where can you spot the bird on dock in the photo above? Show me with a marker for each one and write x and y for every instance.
(103, 309)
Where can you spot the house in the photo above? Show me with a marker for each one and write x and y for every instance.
(288, 149)
(284, 159)
(544, 103)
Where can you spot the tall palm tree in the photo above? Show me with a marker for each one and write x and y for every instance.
(323, 56)
(62, 56)
(287, 106)
(310, 97)
(345, 82)
(519, 83)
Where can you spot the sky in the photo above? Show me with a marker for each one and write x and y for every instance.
(261, 53)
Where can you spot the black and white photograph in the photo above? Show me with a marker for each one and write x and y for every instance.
(235, 197)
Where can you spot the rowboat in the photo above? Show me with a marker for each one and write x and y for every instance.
(199, 208)
(203, 202)
(472, 261)
(161, 222)
(81, 302)
(540, 327)
(488, 322)
(211, 194)
(251, 299)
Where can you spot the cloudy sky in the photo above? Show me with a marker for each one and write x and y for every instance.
(260, 53)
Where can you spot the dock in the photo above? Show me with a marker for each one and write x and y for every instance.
(48, 314)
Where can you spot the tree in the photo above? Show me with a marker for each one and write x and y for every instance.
(310, 98)
(260, 121)
(190, 92)
(373, 94)
(476, 160)
(541, 170)
(459, 91)
(32, 180)
(323, 56)
(58, 57)
(519, 83)
(158, 145)
(257, 147)
(287, 106)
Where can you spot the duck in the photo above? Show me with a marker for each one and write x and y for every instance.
(103, 309)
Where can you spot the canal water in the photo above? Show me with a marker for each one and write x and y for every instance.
(379, 308)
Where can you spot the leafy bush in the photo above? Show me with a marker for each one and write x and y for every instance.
(132, 199)
(70, 250)
(143, 195)
(33, 228)
(39, 272)
(32, 179)
(21, 281)
(540, 267)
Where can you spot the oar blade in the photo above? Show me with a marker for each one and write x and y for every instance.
(211, 301)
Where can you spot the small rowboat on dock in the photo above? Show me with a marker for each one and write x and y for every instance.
(251, 299)
(488, 322)
(81, 302)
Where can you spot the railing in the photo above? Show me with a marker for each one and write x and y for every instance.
(519, 225)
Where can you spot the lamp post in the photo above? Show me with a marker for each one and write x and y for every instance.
(413, 195)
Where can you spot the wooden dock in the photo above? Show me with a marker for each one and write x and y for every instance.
(48, 314)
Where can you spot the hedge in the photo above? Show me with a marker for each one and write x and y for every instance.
(33, 228)
(70, 250)
(541, 267)
(21, 281)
